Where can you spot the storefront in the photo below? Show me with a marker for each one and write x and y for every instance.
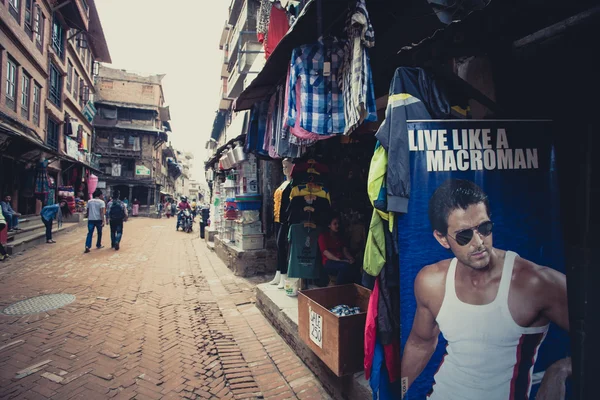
(498, 63)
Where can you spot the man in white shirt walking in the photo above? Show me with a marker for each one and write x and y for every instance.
(95, 215)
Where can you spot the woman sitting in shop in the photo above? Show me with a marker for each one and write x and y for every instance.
(337, 260)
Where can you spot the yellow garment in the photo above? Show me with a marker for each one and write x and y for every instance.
(193, 205)
(304, 190)
(374, 258)
(277, 200)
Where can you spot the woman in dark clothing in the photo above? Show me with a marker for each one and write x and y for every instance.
(50, 213)
(336, 258)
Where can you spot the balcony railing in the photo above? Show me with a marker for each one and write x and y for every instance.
(117, 152)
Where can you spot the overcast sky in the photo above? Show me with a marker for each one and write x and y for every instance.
(179, 38)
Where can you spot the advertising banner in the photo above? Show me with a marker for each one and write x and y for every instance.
(481, 228)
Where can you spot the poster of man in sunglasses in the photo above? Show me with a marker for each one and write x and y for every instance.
(492, 306)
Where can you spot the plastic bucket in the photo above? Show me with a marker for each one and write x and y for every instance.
(291, 286)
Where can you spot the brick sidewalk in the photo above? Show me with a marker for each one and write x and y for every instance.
(161, 318)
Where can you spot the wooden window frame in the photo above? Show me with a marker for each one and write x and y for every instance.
(11, 100)
(15, 11)
(37, 103)
(25, 95)
(70, 70)
(38, 28)
(55, 93)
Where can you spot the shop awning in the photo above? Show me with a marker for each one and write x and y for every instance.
(396, 24)
(165, 193)
(28, 142)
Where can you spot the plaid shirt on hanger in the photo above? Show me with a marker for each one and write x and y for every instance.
(356, 77)
(321, 96)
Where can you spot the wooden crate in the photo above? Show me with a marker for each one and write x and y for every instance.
(341, 346)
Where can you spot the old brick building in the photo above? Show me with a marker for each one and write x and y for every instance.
(48, 53)
(131, 132)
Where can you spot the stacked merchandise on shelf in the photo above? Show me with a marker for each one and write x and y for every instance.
(308, 211)
(248, 232)
(230, 211)
(67, 193)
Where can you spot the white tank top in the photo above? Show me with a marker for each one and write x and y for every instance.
(488, 356)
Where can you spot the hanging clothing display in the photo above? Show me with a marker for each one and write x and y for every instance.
(278, 27)
(414, 94)
(262, 20)
(304, 250)
(310, 190)
(279, 203)
(256, 132)
(317, 66)
(299, 136)
(42, 186)
(356, 77)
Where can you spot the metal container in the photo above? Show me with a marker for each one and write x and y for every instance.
(230, 158)
(225, 162)
(238, 154)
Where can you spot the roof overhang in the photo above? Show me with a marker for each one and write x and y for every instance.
(127, 105)
(96, 36)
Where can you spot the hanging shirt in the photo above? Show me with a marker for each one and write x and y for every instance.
(309, 208)
(414, 94)
(277, 203)
(262, 20)
(356, 78)
(321, 96)
(278, 27)
(304, 250)
(314, 190)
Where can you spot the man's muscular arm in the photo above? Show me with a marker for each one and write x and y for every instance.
(552, 286)
(423, 337)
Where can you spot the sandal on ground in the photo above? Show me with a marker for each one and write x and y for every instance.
(50, 241)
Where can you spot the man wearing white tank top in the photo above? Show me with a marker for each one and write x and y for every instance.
(492, 306)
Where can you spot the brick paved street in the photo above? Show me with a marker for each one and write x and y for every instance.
(161, 318)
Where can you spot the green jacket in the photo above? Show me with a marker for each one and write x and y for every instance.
(374, 258)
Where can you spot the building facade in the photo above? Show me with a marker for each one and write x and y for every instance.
(49, 51)
(132, 126)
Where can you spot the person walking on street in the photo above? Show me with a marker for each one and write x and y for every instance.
(3, 254)
(116, 214)
(50, 213)
(168, 209)
(95, 214)
(12, 217)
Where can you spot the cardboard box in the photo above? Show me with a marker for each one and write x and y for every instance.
(337, 341)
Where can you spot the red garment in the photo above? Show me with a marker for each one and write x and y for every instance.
(278, 27)
(391, 351)
(183, 206)
(261, 37)
(332, 244)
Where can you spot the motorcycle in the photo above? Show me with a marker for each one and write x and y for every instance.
(187, 223)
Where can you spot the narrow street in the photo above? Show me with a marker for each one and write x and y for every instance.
(161, 318)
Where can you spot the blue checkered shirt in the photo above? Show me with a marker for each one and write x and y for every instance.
(321, 96)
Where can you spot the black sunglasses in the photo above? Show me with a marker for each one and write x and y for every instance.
(465, 236)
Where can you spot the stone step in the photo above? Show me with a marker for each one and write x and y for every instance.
(26, 228)
(36, 237)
